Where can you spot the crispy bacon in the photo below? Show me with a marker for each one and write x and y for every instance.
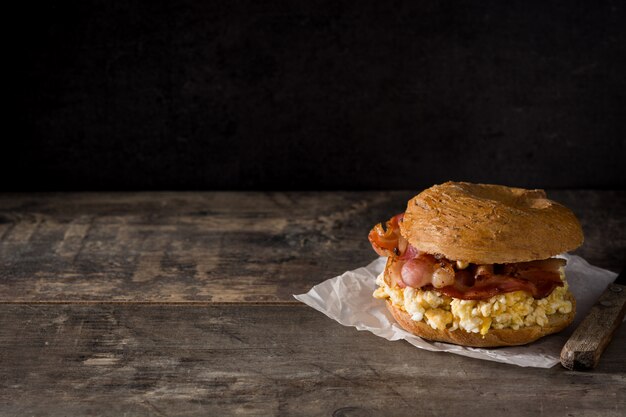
(386, 241)
(410, 267)
(499, 284)
(524, 276)
(393, 274)
(527, 268)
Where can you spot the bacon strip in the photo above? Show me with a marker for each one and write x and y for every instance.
(540, 286)
(386, 241)
(478, 282)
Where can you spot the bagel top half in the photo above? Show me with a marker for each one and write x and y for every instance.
(487, 224)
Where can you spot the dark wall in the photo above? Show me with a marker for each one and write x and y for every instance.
(318, 94)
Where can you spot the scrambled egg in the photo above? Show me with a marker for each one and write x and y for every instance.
(515, 309)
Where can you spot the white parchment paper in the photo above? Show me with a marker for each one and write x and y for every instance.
(348, 300)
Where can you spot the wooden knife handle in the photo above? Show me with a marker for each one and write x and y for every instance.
(583, 349)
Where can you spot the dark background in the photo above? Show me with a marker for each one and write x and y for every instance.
(130, 95)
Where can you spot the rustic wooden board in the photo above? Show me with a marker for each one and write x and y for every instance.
(111, 360)
(583, 349)
(217, 247)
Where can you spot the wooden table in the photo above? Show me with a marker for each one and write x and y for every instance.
(181, 304)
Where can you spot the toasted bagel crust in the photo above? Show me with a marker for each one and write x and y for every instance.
(487, 224)
(493, 338)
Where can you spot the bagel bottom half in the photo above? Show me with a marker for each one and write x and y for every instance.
(493, 338)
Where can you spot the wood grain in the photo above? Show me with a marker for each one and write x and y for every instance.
(584, 348)
(177, 247)
(257, 360)
(218, 246)
(180, 304)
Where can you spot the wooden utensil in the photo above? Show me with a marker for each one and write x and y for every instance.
(583, 349)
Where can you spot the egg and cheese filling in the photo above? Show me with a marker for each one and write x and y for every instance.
(509, 310)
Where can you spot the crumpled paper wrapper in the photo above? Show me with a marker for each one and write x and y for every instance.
(348, 300)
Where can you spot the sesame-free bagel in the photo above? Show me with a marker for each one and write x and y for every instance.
(487, 224)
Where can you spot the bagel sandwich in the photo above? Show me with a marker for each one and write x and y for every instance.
(475, 265)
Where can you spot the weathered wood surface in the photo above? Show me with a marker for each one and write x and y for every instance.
(180, 304)
(260, 360)
(218, 247)
(583, 349)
